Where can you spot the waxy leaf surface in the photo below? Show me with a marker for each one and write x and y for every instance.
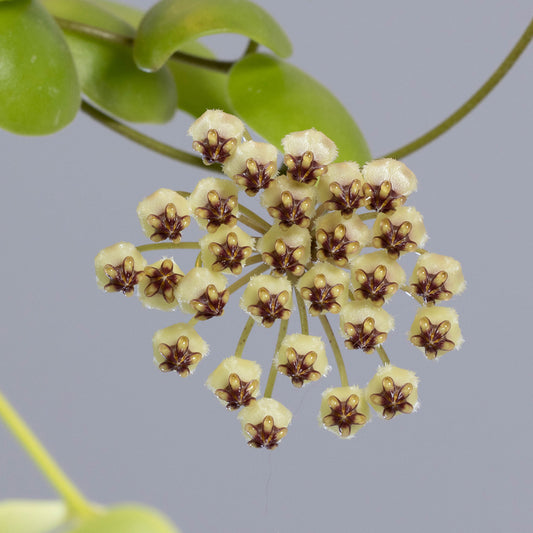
(31, 516)
(171, 23)
(275, 98)
(39, 90)
(107, 72)
(128, 519)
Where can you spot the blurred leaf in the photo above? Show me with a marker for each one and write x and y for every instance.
(276, 98)
(129, 14)
(39, 91)
(171, 23)
(31, 516)
(199, 88)
(128, 519)
(107, 72)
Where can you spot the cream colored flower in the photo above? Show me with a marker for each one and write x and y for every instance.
(119, 268)
(344, 410)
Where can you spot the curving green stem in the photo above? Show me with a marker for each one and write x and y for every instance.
(73, 498)
(168, 246)
(274, 367)
(302, 311)
(104, 35)
(383, 355)
(235, 286)
(336, 350)
(472, 102)
(141, 138)
(244, 337)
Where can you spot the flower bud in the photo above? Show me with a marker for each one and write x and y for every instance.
(289, 202)
(302, 358)
(387, 184)
(201, 292)
(264, 422)
(157, 287)
(341, 188)
(164, 215)
(344, 411)
(364, 326)
(235, 382)
(340, 239)
(216, 135)
(178, 348)
(267, 298)
(119, 268)
(253, 166)
(436, 278)
(435, 330)
(325, 288)
(214, 203)
(376, 277)
(307, 155)
(226, 250)
(399, 232)
(393, 390)
(286, 251)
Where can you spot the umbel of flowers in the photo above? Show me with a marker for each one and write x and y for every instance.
(331, 249)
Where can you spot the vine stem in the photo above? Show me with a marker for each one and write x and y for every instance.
(244, 337)
(336, 350)
(141, 138)
(383, 355)
(472, 102)
(302, 311)
(73, 498)
(168, 246)
(274, 367)
(104, 35)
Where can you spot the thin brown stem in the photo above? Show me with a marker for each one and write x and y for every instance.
(244, 337)
(104, 35)
(302, 311)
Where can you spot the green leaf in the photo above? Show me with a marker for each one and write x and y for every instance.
(199, 88)
(39, 91)
(107, 72)
(31, 516)
(275, 98)
(131, 15)
(128, 519)
(171, 23)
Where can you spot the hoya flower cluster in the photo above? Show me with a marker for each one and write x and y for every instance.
(331, 249)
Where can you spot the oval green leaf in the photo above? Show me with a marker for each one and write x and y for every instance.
(31, 516)
(275, 98)
(171, 23)
(128, 519)
(39, 90)
(198, 88)
(107, 72)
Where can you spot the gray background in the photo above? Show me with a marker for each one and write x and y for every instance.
(78, 363)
